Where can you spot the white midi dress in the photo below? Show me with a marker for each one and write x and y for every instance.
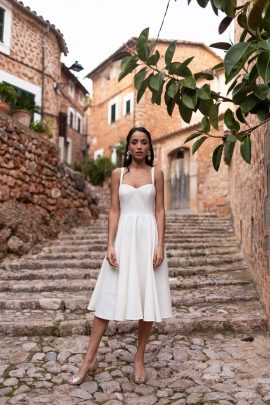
(135, 289)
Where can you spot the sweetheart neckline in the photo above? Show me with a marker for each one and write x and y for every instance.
(136, 188)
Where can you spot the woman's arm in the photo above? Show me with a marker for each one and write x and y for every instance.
(113, 217)
(160, 216)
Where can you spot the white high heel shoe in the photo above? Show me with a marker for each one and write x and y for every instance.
(76, 380)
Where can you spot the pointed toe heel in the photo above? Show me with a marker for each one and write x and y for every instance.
(76, 380)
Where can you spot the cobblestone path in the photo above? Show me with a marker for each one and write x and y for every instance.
(215, 350)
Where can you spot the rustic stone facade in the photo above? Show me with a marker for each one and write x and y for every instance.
(204, 189)
(74, 145)
(250, 205)
(31, 62)
(39, 195)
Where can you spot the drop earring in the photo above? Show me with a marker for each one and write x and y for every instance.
(149, 155)
(128, 154)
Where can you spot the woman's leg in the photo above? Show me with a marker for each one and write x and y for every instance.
(98, 328)
(144, 330)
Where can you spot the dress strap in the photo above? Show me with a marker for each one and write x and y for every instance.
(121, 175)
(152, 173)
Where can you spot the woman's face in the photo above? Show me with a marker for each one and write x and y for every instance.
(139, 145)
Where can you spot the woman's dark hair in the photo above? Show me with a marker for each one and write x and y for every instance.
(128, 158)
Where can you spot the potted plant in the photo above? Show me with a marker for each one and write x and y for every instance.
(41, 127)
(8, 96)
(24, 107)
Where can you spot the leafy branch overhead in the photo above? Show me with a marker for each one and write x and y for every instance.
(247, 73)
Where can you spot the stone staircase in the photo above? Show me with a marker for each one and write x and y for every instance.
(212, 290)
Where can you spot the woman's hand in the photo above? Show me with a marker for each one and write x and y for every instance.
(158, 256)
(111, 256)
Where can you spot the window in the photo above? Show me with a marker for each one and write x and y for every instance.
(128, 104)
(128, 109)
(98, 153)
(71, 118)
(113, 113)
(5, 27)
(71, 88)
(79, 121)
(113, 110)
(26, 96)
(2, 20)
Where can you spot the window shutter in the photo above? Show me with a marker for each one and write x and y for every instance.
(62, 124)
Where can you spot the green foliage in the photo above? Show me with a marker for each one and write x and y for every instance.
(95, 170)
(7, 93)
(247, 71)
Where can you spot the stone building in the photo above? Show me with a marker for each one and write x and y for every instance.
(30, 52)
(190, 180)
(249, 191)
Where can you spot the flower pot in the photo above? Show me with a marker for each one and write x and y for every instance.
(4, 107)
(22, 116)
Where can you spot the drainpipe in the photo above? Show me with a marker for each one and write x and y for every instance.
(43, 70)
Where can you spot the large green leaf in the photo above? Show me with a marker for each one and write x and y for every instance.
(228, 150)
(190, 98)
(169, 53)
(180, 69)
(139, 78)
(142, 45)
(128, 67)
(193, 136)
(170, 104)
(156, 81)
(190, 82)
(221, 45)
(255, 16)
(186, 113)
(202, 3)
(205, 92)
(216, 157)
(245, 149)
(153, 60)
(266, 20)
(236, 58)
(205, 105)
(249, 102)
(173, 89)
(261, 91)
(230, 121)
(229, 7)
(213, 115)
(263, 66)
(198, 143)
(143, 87)
(205, 124)
(225, 23)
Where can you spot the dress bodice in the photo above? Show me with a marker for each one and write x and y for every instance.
(137, 200)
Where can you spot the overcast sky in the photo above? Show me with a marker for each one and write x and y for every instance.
(94, 29)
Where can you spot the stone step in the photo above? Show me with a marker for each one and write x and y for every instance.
(75, 273)
(92, 254)
(168, 238)
(101, 245)
(70, 285)
(96, 263)
(246, 318)
(35, 299)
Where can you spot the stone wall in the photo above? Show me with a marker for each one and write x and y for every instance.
(250, 205)
(39, 195)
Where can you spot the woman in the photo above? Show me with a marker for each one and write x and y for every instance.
(133, 282)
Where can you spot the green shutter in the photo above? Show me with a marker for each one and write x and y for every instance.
(2, 20)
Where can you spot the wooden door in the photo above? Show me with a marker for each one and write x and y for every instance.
(180, 178)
